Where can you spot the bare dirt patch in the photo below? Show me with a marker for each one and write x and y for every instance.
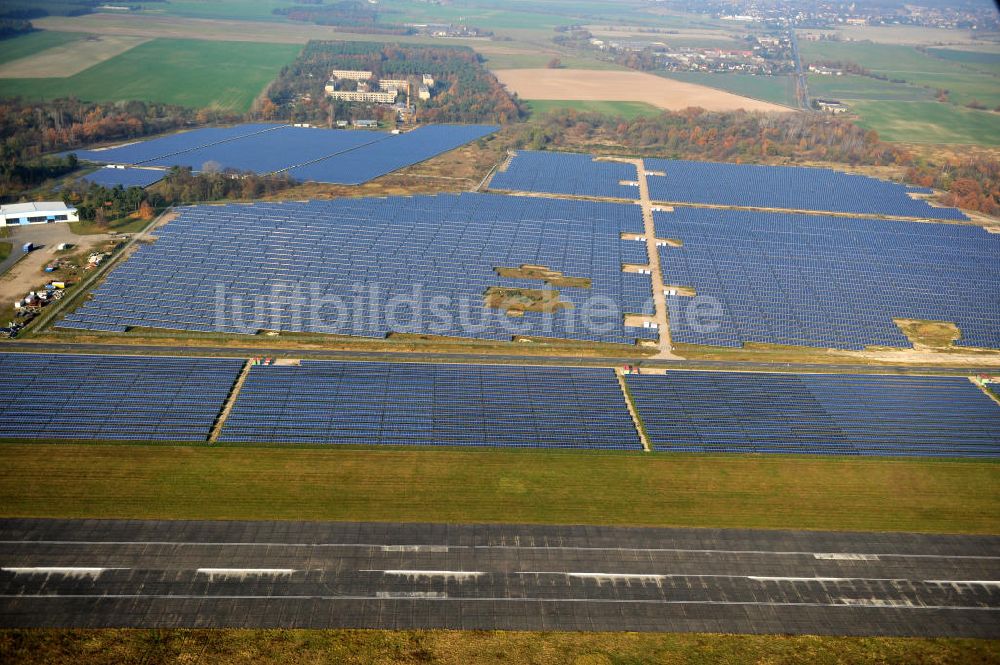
(929, 334)
(547, 275)
(588, 85)
(71, 58)
(515, 302)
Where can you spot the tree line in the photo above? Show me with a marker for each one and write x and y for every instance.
(31, 131)
(971, 182)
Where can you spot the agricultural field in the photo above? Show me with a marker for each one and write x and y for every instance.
(514, 486)
(908, 112)
(625, 109)
(194, 73)
(632, 86)
(22, 46)
(928, 122)
(850, 87)
(774, 89)
(64, 60)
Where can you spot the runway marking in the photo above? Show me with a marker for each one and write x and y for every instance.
(68, 571)
(243, 573)
(569, 548)
(457, 575)
(437, 598)
(760, 578)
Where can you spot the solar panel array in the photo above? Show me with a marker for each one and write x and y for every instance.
(437, 252)
(127, 177)
(417, 404)
(566, 173)
(734, 412)
(348, 157)
(828, 281)
(788, 187)
(112, 397)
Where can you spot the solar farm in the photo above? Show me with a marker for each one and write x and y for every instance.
(564, 173)
(830, 282)
(273, 262)
(500, 406)
(111, 177)
(817, 414)
(345, 157)
(113, 397)
(421, 404)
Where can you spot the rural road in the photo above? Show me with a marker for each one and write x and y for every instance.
(482, 358)
(381, 575)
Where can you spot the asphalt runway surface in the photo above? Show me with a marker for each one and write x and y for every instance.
(109, 573)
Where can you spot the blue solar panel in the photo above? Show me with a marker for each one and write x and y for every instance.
(395, 152)
(417, 404)
(566, 173)
(786, 187)
(374, 266)
(738, 412)
(112, 397)
(127, 177)
(347, 157)
(828, 281)
(142, 152)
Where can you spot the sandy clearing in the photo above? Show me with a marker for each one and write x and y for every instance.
(71, 58)
(590, 85)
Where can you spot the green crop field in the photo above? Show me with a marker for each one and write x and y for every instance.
(929, 122)
(540, 60)
(455, 647)
(776, 89)
(195, 73)
(862, 87)
(249, 10)
(532, 486)
(975, 57)
(34, 42)
(628, 110)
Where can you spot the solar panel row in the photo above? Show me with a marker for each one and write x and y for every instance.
(829, 281)
(348, 157)
(127, 177)
(567, 173)
(417, 404)
(735, 412)
(112, 397)
(789, 187)
(372, 266)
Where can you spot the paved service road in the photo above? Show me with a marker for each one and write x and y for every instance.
(307, 574)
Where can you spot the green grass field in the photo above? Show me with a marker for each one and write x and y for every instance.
(540, 60)
(247, 10)
(195, 73)
(862, 87)
(976, 57)
(928, 122)
(776, 89)
(626, 109)
(22, 46)
(561, 487)
(451, 647)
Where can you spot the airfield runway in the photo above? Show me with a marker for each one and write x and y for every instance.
(104, 573)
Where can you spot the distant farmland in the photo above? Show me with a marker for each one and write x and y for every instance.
(589, 85)
(194, 73)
